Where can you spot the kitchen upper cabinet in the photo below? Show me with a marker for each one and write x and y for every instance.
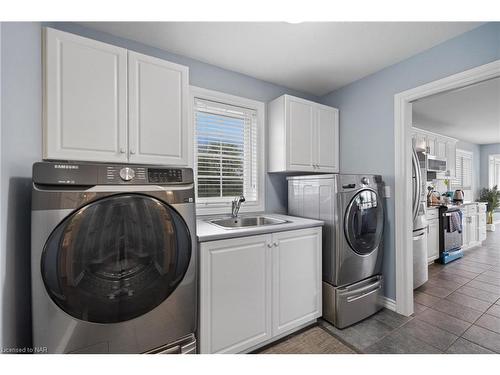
(303, 136)
(433, 240)
(441, 148)
(158, 117)
(431, 145)
(296, 279)
(235, 294)
(105, 103)
(253, 289)
(85, 99)
(451, 158)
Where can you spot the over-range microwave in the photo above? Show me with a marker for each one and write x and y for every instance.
(435, 164)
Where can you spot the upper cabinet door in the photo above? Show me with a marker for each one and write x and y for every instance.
(158, 102)
(327, 135)
(441, 148)
(85, 99)
(300, 121)
(451, 157)
(431, 145)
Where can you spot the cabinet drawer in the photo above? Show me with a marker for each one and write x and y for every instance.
(432, 213)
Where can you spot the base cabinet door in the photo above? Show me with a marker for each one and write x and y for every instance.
(235, 294)
(433, 240)
(296, 278)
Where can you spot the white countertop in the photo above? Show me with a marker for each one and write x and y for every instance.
(209, 232)
(467, 203)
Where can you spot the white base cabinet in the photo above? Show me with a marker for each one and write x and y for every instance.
(254, 289)
(474, 225)
(432, 240)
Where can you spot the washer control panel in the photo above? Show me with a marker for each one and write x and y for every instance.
(164, 175)
(127, 173)
(119, 174)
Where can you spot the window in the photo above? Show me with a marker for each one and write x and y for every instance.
(463, 170)
(494, 170)
(229, 151)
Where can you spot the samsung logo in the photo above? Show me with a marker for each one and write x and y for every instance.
(66, 166)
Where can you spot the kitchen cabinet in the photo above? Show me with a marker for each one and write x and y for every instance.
(438, 146)
(255, 289)
(433, 240)
(303, 136)
(474, 224)
(107, 104)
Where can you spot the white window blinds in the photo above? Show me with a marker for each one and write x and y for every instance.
(226, 152)
(463, 171)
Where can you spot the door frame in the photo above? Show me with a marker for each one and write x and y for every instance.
(403, 187)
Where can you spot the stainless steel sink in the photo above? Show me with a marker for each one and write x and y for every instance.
(246, 221)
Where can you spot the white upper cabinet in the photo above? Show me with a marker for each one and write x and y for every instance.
(300, 134)
(327, 128)
(85, 99)
(303, 136)
(105, 103)
(438, 146)
(158, 102)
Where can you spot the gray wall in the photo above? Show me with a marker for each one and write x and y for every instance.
(21, 141)
(367, 111)
(485, 152)
(20, 146)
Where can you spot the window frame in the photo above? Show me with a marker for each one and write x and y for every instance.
(224, 205)
(492, 177)
(459, 180)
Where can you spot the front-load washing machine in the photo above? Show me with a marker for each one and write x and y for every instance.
(113, 259)
(352, 209)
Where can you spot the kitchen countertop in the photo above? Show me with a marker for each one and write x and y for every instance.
(454, 205)
(206, 231)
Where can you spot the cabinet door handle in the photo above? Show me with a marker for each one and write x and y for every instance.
(122, 150)
(276, 244)
(269, 245)
(132, 152)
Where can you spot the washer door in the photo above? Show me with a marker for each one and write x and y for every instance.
(364, 222)
(116, 258)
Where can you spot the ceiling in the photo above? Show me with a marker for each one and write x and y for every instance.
(470, 114)
(312, 57)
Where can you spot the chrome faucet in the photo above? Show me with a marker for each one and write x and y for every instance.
(236, 204)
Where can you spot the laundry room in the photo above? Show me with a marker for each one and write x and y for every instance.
(282, 188)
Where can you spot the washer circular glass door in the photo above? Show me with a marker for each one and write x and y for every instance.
(364, 222)
(116, 258)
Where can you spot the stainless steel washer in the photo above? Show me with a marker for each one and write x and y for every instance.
(352, 209)
(113, 259)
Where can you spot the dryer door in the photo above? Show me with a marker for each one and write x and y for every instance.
(364, 222)
(116, 258)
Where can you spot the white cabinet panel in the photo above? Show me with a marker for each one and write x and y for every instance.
(296, 278)
(85, 99)
(431, 145)
(158, 102)
(451, 159)
(303, 136)
(441, 148)
(300, 135)
(235, 294)
(433, 240)
(327, 137)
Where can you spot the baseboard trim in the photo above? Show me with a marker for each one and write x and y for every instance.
(388, 303)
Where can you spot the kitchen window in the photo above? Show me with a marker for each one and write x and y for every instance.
(494, 170)
(229, 151)
(463, 170)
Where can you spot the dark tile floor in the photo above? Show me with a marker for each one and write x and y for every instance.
(456, 311)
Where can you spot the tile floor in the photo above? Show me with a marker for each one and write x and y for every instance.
(456, 311)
